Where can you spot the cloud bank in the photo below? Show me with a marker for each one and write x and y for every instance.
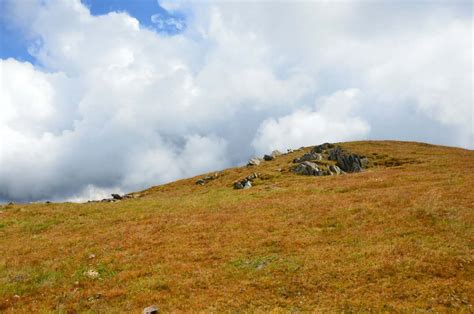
(111, 105)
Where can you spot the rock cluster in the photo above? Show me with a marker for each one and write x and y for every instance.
(206, 179)
(245, 183)
(116, 198)
(345, 161)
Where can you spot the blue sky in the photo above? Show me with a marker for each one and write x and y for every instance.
(14, 44)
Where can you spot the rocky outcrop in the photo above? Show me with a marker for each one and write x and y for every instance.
(319, 161)
(321, 148)
(347, 161)
(308, 168)
(308, 157)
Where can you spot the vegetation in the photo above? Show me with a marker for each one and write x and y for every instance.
(396, 237)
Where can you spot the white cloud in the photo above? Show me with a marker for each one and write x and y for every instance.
(111, 105)
(334, 121)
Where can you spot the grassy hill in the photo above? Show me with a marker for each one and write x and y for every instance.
(398, 236)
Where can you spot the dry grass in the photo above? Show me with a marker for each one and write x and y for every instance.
(396, 237)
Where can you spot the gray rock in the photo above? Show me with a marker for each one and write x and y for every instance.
(201, 182)
(268, 157)
(253, 162)
(252, 176)
(346, 161)
(117, 197)
(308, 157)
(276, 153)
(248, 185)
(321, 148)
(307, 168)
(238, 185)
(151, 310)
(335, 170)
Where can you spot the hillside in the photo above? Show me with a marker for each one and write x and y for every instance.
(397, 236)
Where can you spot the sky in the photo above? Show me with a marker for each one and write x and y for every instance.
(113, 96)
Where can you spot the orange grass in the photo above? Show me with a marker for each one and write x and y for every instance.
(397, 237)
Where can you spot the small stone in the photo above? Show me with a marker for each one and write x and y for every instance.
(91, 256)
(92, 274)
(247, 185)
(201, 182)
(151, 310)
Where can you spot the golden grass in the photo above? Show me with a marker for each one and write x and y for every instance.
(397, 237)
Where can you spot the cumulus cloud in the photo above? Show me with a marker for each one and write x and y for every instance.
(113, 106)
(335, 120)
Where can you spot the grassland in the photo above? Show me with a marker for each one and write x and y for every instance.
(396, 237)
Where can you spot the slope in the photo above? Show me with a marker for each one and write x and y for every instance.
(397, 236)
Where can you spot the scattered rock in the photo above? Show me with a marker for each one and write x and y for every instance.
(245, 183)
(94, 297)
(151, 310)
(116, 197)
(91, 256)
(92, 274)
(206, 179)
(347, 161)
(308, 157)
(253, 162)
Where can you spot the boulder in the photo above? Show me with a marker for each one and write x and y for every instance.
(335, 170)
(276, 153)
(307, 168)
(253, 162)
(248, 185)
(346, 161)
(116, 197)
(238, 185)
(308, 157)
(321, 148)
(268, 157)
